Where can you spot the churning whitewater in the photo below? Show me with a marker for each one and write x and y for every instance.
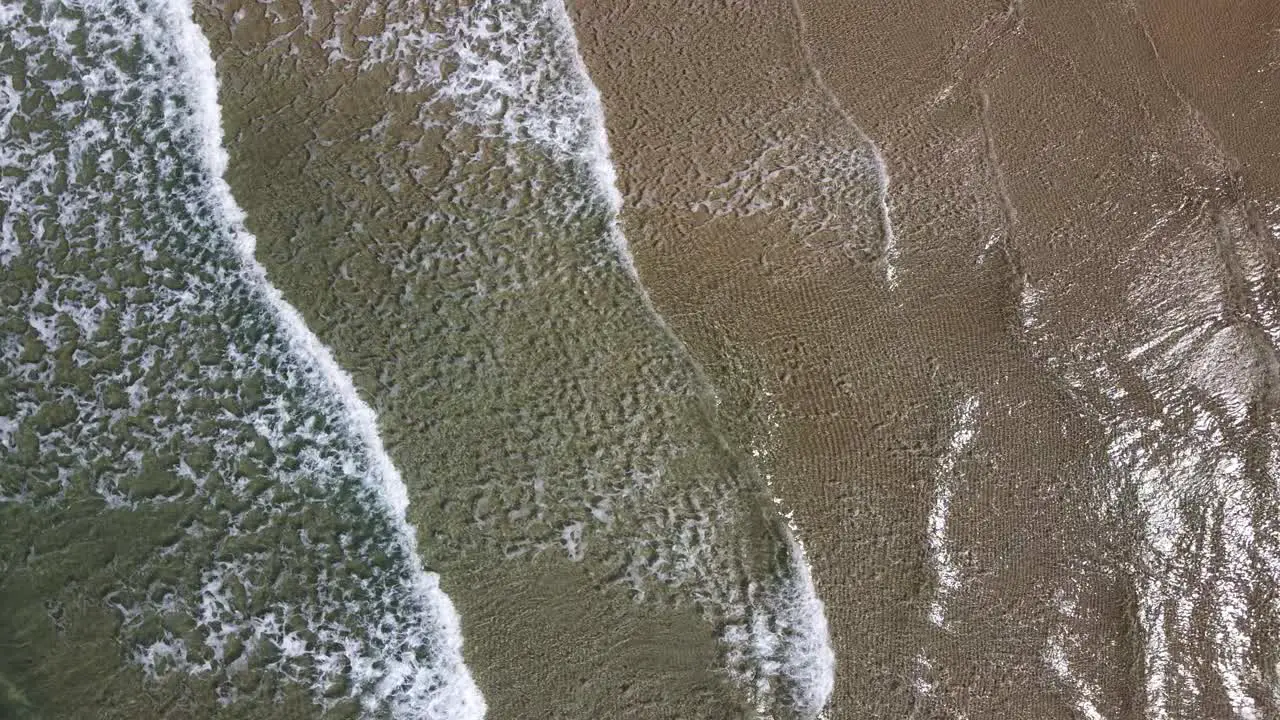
(143, 341)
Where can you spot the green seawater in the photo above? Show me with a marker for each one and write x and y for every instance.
(192, 519)
(196, 515)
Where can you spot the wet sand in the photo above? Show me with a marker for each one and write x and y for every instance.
(1035, 155)
(951, 359)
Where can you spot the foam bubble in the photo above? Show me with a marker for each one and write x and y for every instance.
(801, 637)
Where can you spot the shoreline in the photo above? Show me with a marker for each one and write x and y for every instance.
(940, 353)
(535, 654)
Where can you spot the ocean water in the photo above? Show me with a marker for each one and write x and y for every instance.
(475, 208)
(197, 507)
(189, 486)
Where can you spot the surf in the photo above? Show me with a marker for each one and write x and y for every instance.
(132, 188)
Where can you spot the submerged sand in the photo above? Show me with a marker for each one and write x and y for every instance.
(924, 252)
(591, 520)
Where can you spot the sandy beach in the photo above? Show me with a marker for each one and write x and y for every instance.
(925, 254)
(938, 432)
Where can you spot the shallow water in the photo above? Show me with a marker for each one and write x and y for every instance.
(1034, 467)
(240, 536)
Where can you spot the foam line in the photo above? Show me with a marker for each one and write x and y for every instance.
(460, 698)
(807, 660)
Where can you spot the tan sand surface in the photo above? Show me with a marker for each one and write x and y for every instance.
(1036, 154)
(1072, 244)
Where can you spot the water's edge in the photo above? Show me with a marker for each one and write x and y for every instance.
(464, 699)
(806, 663)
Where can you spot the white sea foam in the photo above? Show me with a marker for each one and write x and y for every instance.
(595, 150)
(806, 659)
(792, 642)
(516, 68)
(409, 616)
(948, 575)
(446, 690)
